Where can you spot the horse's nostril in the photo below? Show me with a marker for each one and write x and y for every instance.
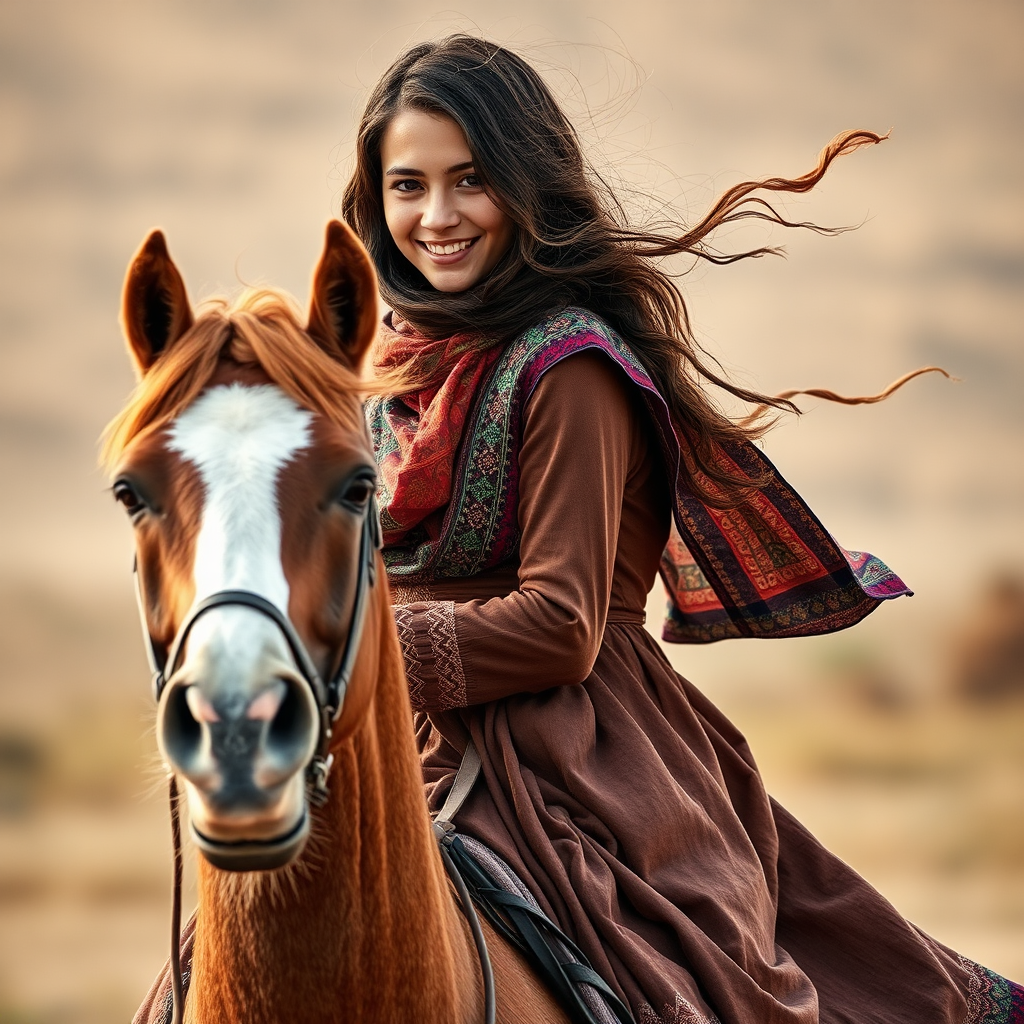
(293, 726)
(181, 733)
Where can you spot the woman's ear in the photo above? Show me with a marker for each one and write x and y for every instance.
(155, 311)
(343, 308)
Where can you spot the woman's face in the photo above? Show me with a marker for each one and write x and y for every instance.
(438, 213)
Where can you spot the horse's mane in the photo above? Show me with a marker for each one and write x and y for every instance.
(261, 328)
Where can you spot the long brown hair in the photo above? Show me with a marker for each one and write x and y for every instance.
(573, 244)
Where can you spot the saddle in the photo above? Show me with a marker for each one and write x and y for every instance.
(513, 911)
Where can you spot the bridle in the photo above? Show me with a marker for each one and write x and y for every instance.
(329, 696)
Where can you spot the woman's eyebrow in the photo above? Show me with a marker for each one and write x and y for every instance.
(414, 172)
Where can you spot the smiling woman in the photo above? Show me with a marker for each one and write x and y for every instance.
(548, 439)
(436, 208)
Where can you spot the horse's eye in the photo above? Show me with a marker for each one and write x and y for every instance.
(127, 496)
(358, 492)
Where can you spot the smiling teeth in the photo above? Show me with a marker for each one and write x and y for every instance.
(447, 250)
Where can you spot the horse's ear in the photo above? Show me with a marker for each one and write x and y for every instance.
(343, 308)
(155, 310)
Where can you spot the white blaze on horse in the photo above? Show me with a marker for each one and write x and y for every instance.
(245, 467)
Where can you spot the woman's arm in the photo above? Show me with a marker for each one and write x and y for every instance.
(578, 434)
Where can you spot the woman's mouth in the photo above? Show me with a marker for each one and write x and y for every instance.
(447, 252)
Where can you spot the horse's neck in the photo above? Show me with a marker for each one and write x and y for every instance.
(362, 928)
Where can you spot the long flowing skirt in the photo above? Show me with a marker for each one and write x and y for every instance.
(634, 810)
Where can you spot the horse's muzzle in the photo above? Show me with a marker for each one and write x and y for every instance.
(243, 762)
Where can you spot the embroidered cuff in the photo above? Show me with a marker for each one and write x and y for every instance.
(430, 647)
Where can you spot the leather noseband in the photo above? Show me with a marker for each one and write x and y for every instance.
(329, 696)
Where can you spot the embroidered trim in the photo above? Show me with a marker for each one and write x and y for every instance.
(451, 680)
(684, 1012)
(407, 638)
(973, 990)
(991, 998)
(402, 593)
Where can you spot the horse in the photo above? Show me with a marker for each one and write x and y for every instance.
(244, 465)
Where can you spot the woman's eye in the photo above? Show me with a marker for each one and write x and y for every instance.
(470, 181)
(358, 492)
(127, 496)
(406, 185)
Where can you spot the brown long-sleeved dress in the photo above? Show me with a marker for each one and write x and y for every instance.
(622, 796)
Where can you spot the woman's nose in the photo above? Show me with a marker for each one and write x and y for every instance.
(440, 211)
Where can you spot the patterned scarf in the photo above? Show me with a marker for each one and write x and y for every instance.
(449, 499)
(425, 427)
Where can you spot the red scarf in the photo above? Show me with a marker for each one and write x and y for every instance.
(428, 424)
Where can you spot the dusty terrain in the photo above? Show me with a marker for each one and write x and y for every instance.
(229, 124)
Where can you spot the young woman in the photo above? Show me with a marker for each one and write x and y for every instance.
(546, 445)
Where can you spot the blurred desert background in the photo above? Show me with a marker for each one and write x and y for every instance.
(229, 124)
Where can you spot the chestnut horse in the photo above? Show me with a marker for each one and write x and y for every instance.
(244, 465)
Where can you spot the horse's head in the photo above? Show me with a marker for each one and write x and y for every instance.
(244, 465)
